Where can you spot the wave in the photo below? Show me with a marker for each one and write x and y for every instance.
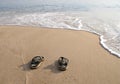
(106, 27)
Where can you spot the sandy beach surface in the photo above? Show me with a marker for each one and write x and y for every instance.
(89, 62)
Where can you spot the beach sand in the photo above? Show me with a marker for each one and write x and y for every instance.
(89, 62)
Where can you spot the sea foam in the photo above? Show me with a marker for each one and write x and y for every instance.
(106, 25)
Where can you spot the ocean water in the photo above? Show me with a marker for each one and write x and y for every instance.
(103, 21)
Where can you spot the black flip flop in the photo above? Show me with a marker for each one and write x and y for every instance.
(36, 61)
(62, 63)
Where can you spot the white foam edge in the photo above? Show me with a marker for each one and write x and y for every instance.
(106, 47)
(102, 43)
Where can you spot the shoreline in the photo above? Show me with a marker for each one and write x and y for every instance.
(89, 62)
(100, 37)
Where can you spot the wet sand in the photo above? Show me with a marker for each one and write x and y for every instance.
(89, 62)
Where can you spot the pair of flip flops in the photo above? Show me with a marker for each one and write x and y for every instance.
(37, 60)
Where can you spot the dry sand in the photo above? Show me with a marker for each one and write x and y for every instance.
(89, 62)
